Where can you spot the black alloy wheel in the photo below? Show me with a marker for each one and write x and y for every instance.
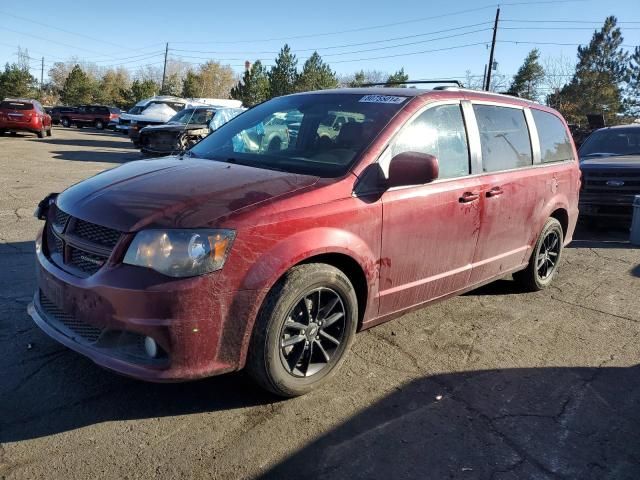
(312, 332)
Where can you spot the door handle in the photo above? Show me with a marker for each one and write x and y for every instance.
(494, 192)
(469, 197)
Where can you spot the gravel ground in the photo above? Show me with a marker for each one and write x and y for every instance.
(492, 384)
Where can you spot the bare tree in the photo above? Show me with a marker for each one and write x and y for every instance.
(558, 72)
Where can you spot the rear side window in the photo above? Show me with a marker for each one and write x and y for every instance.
(438, 131)
(16, 105)
(555, 145)
(504, 138)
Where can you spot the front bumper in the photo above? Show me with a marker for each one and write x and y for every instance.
(107, 316)
(606, 207)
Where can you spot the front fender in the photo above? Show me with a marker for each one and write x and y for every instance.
(274, 262)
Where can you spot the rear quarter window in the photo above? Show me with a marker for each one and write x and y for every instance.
(504, 138)
(555, 145)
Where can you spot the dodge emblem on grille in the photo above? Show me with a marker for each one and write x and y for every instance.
(615, 183)
(91, 260)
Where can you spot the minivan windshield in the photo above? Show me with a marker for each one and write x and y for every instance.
(315, 134)
(614, 141)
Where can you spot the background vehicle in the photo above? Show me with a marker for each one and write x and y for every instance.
(24, 115)
(184, 130)
(58, 112)
(97, 116)
(236, 255)
(610, 164)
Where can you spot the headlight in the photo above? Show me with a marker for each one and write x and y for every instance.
(180, 253)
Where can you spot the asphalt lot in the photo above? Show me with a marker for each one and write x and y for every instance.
(493, 384)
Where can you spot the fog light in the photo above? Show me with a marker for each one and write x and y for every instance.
(151, 347)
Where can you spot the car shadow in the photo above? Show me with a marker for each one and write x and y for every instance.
(515, 423)
(97, 156)
(635, 271)
(504, 286)
(87, 142)
(605, 235)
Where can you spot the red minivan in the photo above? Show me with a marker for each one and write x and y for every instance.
(240, 253)
(24, 115)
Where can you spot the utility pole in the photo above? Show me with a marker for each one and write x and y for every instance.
(493, 47)
(164, 70)
(42, 76)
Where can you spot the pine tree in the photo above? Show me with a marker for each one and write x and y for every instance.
(526, 83)
(632, 93)
(253, 88)
(596, 85)
(191, 85)
(142, 89)
(16, 81)
(397, 78)
(359, 79)
(78, 88)
(283, 75)
(316, 75)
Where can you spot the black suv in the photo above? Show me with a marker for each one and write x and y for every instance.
(610, 164)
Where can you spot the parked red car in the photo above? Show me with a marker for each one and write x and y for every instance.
(97, 116)
(240, 254)
(24, 115)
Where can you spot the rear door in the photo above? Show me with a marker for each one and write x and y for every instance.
(430, 231)
(511, 189)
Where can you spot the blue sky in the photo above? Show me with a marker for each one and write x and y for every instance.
(349, 35)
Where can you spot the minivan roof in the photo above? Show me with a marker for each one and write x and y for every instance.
(418, 92)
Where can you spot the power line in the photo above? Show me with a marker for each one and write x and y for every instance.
(100, 40)
(332, 47)
(353, 30)
(411, 53)
(364, 50)
(599, 22)
(527, 42)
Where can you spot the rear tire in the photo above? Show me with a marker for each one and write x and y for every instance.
(313, 309)
(2, 132)
(65, 122)
(78, 125)
(99, 125)
(41, 133)
(546, 255)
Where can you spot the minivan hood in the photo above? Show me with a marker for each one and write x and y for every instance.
(174, 192)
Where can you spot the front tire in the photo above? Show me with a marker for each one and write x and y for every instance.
(304, 330)
(41, 133)
(66, 123)
(546, 255)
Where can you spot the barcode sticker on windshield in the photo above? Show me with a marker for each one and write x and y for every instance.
(382, 99)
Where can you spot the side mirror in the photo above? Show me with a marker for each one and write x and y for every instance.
(412, 168)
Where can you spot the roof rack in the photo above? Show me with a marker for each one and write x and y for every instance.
(414, 82)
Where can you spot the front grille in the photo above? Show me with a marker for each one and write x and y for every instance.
(96, 233)
(67, 251)
(60, 219)
(596, 182)
(87, 332)
(124, 121)
(87, 262)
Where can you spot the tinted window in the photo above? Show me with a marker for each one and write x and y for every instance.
(504, 138)
(16, 105)
(439, 131)
(612, 141)
(258, 137)
(555, 145)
